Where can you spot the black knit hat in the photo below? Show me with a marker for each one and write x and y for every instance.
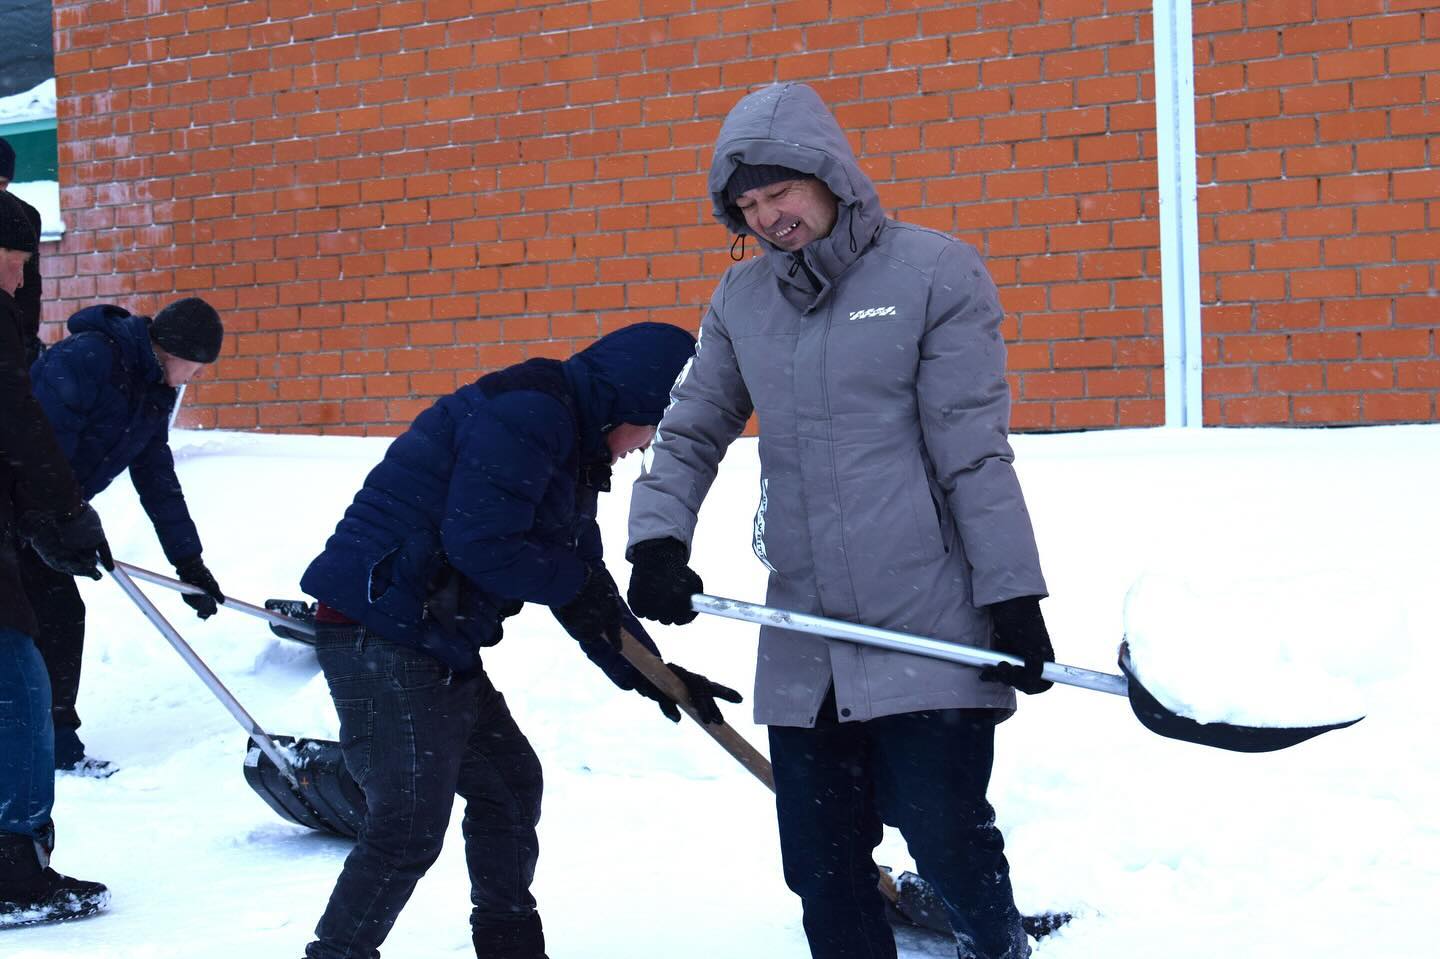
(190, 329)
(16, 232)
(7, 160)
(748, 176)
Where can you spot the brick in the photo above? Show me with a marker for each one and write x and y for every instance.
(1398, 407)
(1333, 409)
(1255, 410)
(1084, 414)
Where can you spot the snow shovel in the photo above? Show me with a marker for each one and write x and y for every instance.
(304, 780)
(1154, 715)
(912, 898)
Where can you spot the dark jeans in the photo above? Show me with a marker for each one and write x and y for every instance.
(414, 737)
(925, 773)
(60, 612)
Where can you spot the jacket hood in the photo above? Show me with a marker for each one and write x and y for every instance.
(129, 332)
(625, 377)
(787, 124)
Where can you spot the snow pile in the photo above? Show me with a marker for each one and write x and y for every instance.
(37, 103)
(44, 196)
(1259, 650)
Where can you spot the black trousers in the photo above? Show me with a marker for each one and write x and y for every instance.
(925, 773)
(61, 640)
(414, 737)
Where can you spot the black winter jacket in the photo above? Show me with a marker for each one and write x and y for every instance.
(33, 471)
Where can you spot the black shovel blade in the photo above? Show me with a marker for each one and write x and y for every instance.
(325, 796)
(918, 903)
(298, 610)
(1241, 739)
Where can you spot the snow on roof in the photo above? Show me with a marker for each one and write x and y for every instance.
(37, 103)
(44, 196)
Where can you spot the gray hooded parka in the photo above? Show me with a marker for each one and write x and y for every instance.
(877, 370)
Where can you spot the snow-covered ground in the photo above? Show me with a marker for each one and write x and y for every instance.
(1321, 544)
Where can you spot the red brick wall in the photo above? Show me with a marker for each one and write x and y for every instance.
(387, 199)
(1318, 128)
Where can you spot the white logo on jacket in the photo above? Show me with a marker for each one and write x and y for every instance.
(758, 542)
(873, 311)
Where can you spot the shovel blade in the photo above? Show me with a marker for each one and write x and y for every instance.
(300, 611)
(324, 796)
(1155, 717)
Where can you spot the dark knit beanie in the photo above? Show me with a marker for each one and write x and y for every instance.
(748, 176)
(7, 160)
(189, 329)
(15, 230)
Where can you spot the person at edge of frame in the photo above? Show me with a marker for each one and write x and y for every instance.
(40, 505)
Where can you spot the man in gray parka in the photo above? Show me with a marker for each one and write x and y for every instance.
(871, 351)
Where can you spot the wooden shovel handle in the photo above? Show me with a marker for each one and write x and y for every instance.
(667, 682)
(653, 669)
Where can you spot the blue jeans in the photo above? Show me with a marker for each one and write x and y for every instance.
(414, 736)
(27, 741)
(925, 773)
(60, 612)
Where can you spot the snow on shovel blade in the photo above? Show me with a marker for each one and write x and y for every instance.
(1151, 713)
(1238, 738)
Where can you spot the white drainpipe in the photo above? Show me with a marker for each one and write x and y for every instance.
(1179, 213)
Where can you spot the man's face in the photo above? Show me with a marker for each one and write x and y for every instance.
(4, 184)
(627, 438)
(177, 372)
(790, 213)
(12, 270)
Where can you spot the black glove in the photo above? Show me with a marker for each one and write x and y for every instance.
(194, 572)
(702, 692)
(69, 544)
(594, 614)
(661, 582)
(1019, 630)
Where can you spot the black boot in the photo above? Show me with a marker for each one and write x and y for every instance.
(31, 892)
(518, 938)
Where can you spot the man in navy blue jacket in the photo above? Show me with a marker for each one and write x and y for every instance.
(108, 390)
(486, 503)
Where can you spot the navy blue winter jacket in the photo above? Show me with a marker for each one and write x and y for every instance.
(104, 393)
(481, 505)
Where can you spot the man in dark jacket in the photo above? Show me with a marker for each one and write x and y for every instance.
(870, 350)
(27, 298)
(38, 496)
(108, 390)
(486, 503)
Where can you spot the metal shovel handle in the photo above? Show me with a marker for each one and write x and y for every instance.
(121, 575)
(900, 642)
(180, 586)
(652, 667)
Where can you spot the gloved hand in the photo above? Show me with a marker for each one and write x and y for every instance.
(702, 691)
(194, 572)
(70, 544)
(594, 614)
(661, 582)
(1019, 630)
